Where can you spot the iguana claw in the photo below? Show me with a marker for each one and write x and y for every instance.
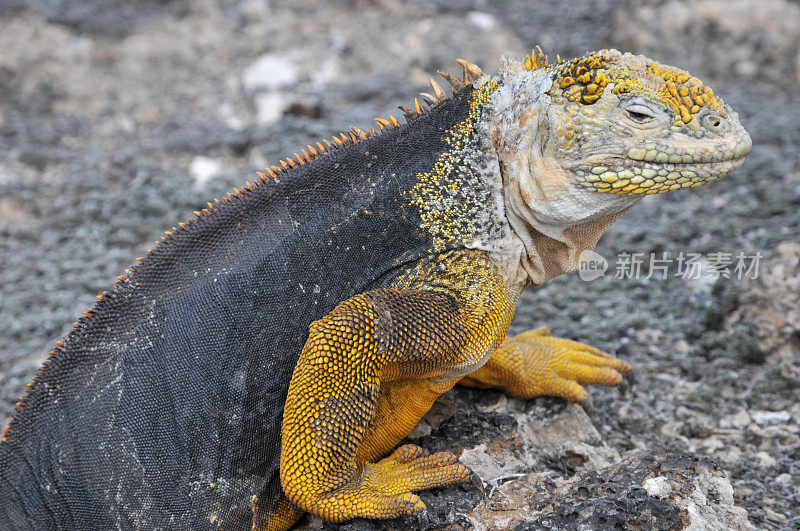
(587, 405)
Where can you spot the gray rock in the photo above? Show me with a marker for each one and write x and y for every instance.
(543, 465)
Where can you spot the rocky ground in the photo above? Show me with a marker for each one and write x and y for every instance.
(119, 118)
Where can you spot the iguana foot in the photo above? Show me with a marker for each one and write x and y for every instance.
(386, 488)
(535, 363)
(554, 366)
(391, 482)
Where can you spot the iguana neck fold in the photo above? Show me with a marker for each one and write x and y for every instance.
(546, 236)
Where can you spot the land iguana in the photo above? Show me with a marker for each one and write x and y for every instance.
(266, 358)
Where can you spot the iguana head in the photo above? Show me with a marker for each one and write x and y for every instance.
(625, 124)
(580, 141)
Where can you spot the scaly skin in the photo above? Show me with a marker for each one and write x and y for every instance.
(671, 132)
(393, 352)
(609, 124)
(535, 363)
(266, 358)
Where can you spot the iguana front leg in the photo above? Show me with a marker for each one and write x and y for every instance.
(535, 363)
(367, 374)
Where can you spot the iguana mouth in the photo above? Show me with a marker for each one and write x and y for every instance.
(650, 168)
(639, 177)
(694, 166)
(705, 153)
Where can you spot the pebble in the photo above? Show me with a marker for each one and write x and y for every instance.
(269, 72)
(774, 516)
(681, 346)
(203, 169)
(481, 20)
(269, 107)
(770, 417)
(765, 460)
(729, 455)
(658, 487)
(739, 420)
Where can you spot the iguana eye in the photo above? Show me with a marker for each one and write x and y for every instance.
(639, 113)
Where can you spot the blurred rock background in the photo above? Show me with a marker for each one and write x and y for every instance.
(119, 118)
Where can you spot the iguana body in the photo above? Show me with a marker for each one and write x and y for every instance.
(263, 359)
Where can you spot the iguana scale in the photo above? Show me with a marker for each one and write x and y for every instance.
(266, 357)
